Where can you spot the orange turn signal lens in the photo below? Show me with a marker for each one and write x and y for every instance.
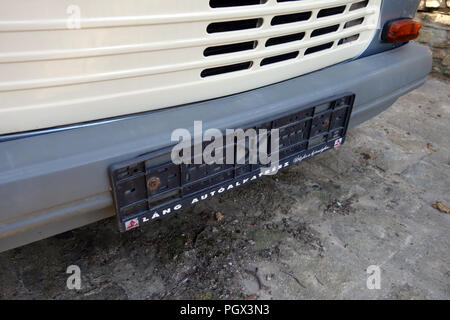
(403, 30)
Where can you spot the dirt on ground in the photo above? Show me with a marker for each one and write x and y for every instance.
(309, 232)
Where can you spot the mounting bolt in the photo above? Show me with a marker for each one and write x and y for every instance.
(153, 183)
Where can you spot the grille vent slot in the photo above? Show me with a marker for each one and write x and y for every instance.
(353, 23)
(321, 47)
(348, 39)
(279, 58)
(285, 39)
(359, 5)
(326, 30)
(230, 48)
(330, 11)
(237, 25)
(226, 69)
(291, 18)
(234, 3)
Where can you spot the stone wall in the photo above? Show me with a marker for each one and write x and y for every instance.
(434, 4)
(435, 16)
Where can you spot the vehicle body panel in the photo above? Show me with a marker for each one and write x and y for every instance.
(54, 182)
(60, 66)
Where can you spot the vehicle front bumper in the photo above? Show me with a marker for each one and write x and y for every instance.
(57, 180)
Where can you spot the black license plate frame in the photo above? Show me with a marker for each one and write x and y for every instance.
(136, 202)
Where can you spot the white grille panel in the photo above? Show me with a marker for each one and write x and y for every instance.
(137, 55)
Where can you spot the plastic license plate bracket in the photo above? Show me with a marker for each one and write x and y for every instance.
(151, 186)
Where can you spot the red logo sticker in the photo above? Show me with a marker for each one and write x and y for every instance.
(338, 142)
(131, 224)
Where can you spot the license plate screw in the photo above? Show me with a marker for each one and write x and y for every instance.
(153, 183)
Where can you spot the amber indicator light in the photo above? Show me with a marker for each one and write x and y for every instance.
(403, 30)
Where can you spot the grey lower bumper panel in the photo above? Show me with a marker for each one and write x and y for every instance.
(57, 181)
